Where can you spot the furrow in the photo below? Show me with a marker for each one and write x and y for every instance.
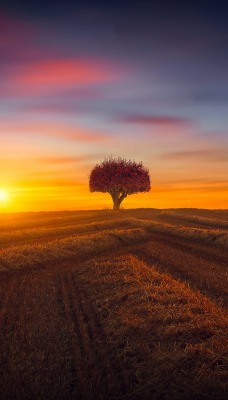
(98, 376)
(76, 345)
(184, 261)
(111, 374)
(6, 299)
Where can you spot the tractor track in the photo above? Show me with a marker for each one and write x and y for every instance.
(197, 264)
(54, 337)
(99, 372)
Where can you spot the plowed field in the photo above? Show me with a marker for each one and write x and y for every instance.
(114, 305)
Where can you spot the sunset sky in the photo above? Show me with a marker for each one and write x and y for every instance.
(143, 80)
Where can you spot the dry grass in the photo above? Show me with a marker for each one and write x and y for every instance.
(206, 218)
(50, 233)
(168, 338)
(201, 266)
(70, 248)
(214, 236)
(114, 305)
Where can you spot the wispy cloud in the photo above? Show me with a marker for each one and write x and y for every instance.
(51, 181)
(156, 120)
(71, 79)
(61, 130)
(158, 126)
(65, 160)
(219, 155)
(195, 185)
(65, 72)
(67, 101)
(29, 67)
(49, 161)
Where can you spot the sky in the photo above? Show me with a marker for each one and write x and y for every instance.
(146, 81)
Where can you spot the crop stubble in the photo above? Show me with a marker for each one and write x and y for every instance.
(124, 318)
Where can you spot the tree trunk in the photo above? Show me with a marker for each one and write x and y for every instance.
(117, 198)
(116, 204)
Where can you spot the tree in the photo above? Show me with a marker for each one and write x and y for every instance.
(119, 178)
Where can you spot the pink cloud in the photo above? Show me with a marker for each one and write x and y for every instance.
(156, 120)
(159, 126)
(29, 68)
(43, 76)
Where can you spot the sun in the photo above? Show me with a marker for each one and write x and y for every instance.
(3, 195)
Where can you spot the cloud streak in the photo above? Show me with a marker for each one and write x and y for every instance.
(29, 67)
(219, 155)
(155, 120)
(60, 160)
(61, 130)
(48, 161)
(66, 72)
(158, 126)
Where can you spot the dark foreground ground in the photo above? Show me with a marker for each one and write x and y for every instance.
(114, 305)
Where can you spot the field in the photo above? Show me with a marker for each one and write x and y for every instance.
(128, 304)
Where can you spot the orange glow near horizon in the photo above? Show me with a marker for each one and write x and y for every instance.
(78, 197)
(53, 173)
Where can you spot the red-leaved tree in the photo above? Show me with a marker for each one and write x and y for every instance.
(119, 178)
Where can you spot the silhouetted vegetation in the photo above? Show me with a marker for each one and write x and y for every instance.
(119, 178)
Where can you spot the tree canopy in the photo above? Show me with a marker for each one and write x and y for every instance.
(119, 177)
